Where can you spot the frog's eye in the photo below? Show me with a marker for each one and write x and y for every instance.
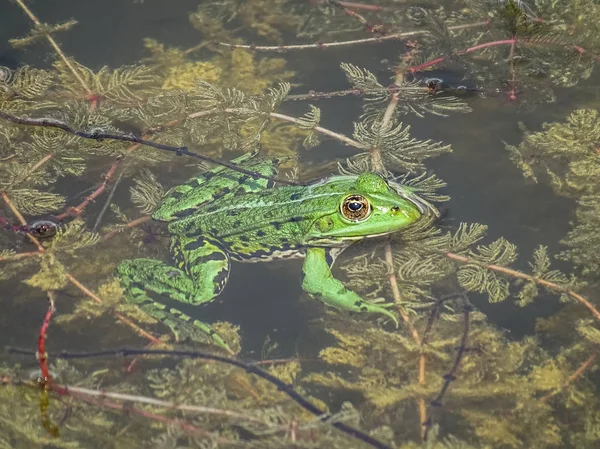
(355, 208)
(43, 228)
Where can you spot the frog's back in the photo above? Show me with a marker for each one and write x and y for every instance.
(186, 199)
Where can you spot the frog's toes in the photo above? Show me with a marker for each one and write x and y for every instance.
(391, 315)
(383, 309)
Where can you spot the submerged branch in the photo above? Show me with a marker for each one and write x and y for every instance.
(287, 389)
(54, 123)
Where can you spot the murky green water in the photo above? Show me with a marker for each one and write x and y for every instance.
(495, 367)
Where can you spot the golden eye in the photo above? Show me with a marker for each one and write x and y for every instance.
(355, 208)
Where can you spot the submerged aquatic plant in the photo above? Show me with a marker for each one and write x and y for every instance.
(447, 378)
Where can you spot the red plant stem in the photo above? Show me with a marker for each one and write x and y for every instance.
(76, 211)
(42, 357)
(511, 42)
(420, 67)
(373, 28)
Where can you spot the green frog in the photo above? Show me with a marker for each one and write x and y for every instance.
(222, 216)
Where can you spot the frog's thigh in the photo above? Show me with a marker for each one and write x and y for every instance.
(140, 276)
(205, 263)
(320, 283)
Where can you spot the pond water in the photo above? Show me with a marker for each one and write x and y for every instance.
(494, 348)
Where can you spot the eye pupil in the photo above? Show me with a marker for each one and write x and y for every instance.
(355, 208)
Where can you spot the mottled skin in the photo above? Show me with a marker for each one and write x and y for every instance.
(223, 215)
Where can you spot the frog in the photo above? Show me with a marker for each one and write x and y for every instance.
(451, 81)
(222, 216)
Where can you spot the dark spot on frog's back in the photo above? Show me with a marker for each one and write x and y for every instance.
(184, 213)
(260, 233)
(244, 238)
(205, 177)
(194, 245)
(176, 194)
(295, 196)
(277, 225)
(296, 219)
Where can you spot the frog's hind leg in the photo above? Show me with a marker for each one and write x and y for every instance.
(141, 276)
(320, 283)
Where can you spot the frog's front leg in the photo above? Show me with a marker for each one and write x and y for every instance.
(319, 282)
(202, 272)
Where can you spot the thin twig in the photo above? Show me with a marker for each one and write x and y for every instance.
(326, 45)
(109, 198)
(18, 256)
(57, 49)
(76, 211)
(17, 214)
(511, 42)
(39, 163)
(121, 317)
(131, 224)
(527, 277)
(378, 165)
(379, 29)
(573, 377)
(122, 397)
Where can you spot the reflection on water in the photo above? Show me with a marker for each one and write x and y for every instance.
(496, 300)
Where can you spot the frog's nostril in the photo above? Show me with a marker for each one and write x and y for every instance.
(395, 209)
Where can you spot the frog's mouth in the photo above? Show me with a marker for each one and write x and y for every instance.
(425, 207)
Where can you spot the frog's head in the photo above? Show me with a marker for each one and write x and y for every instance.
(370, 207)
